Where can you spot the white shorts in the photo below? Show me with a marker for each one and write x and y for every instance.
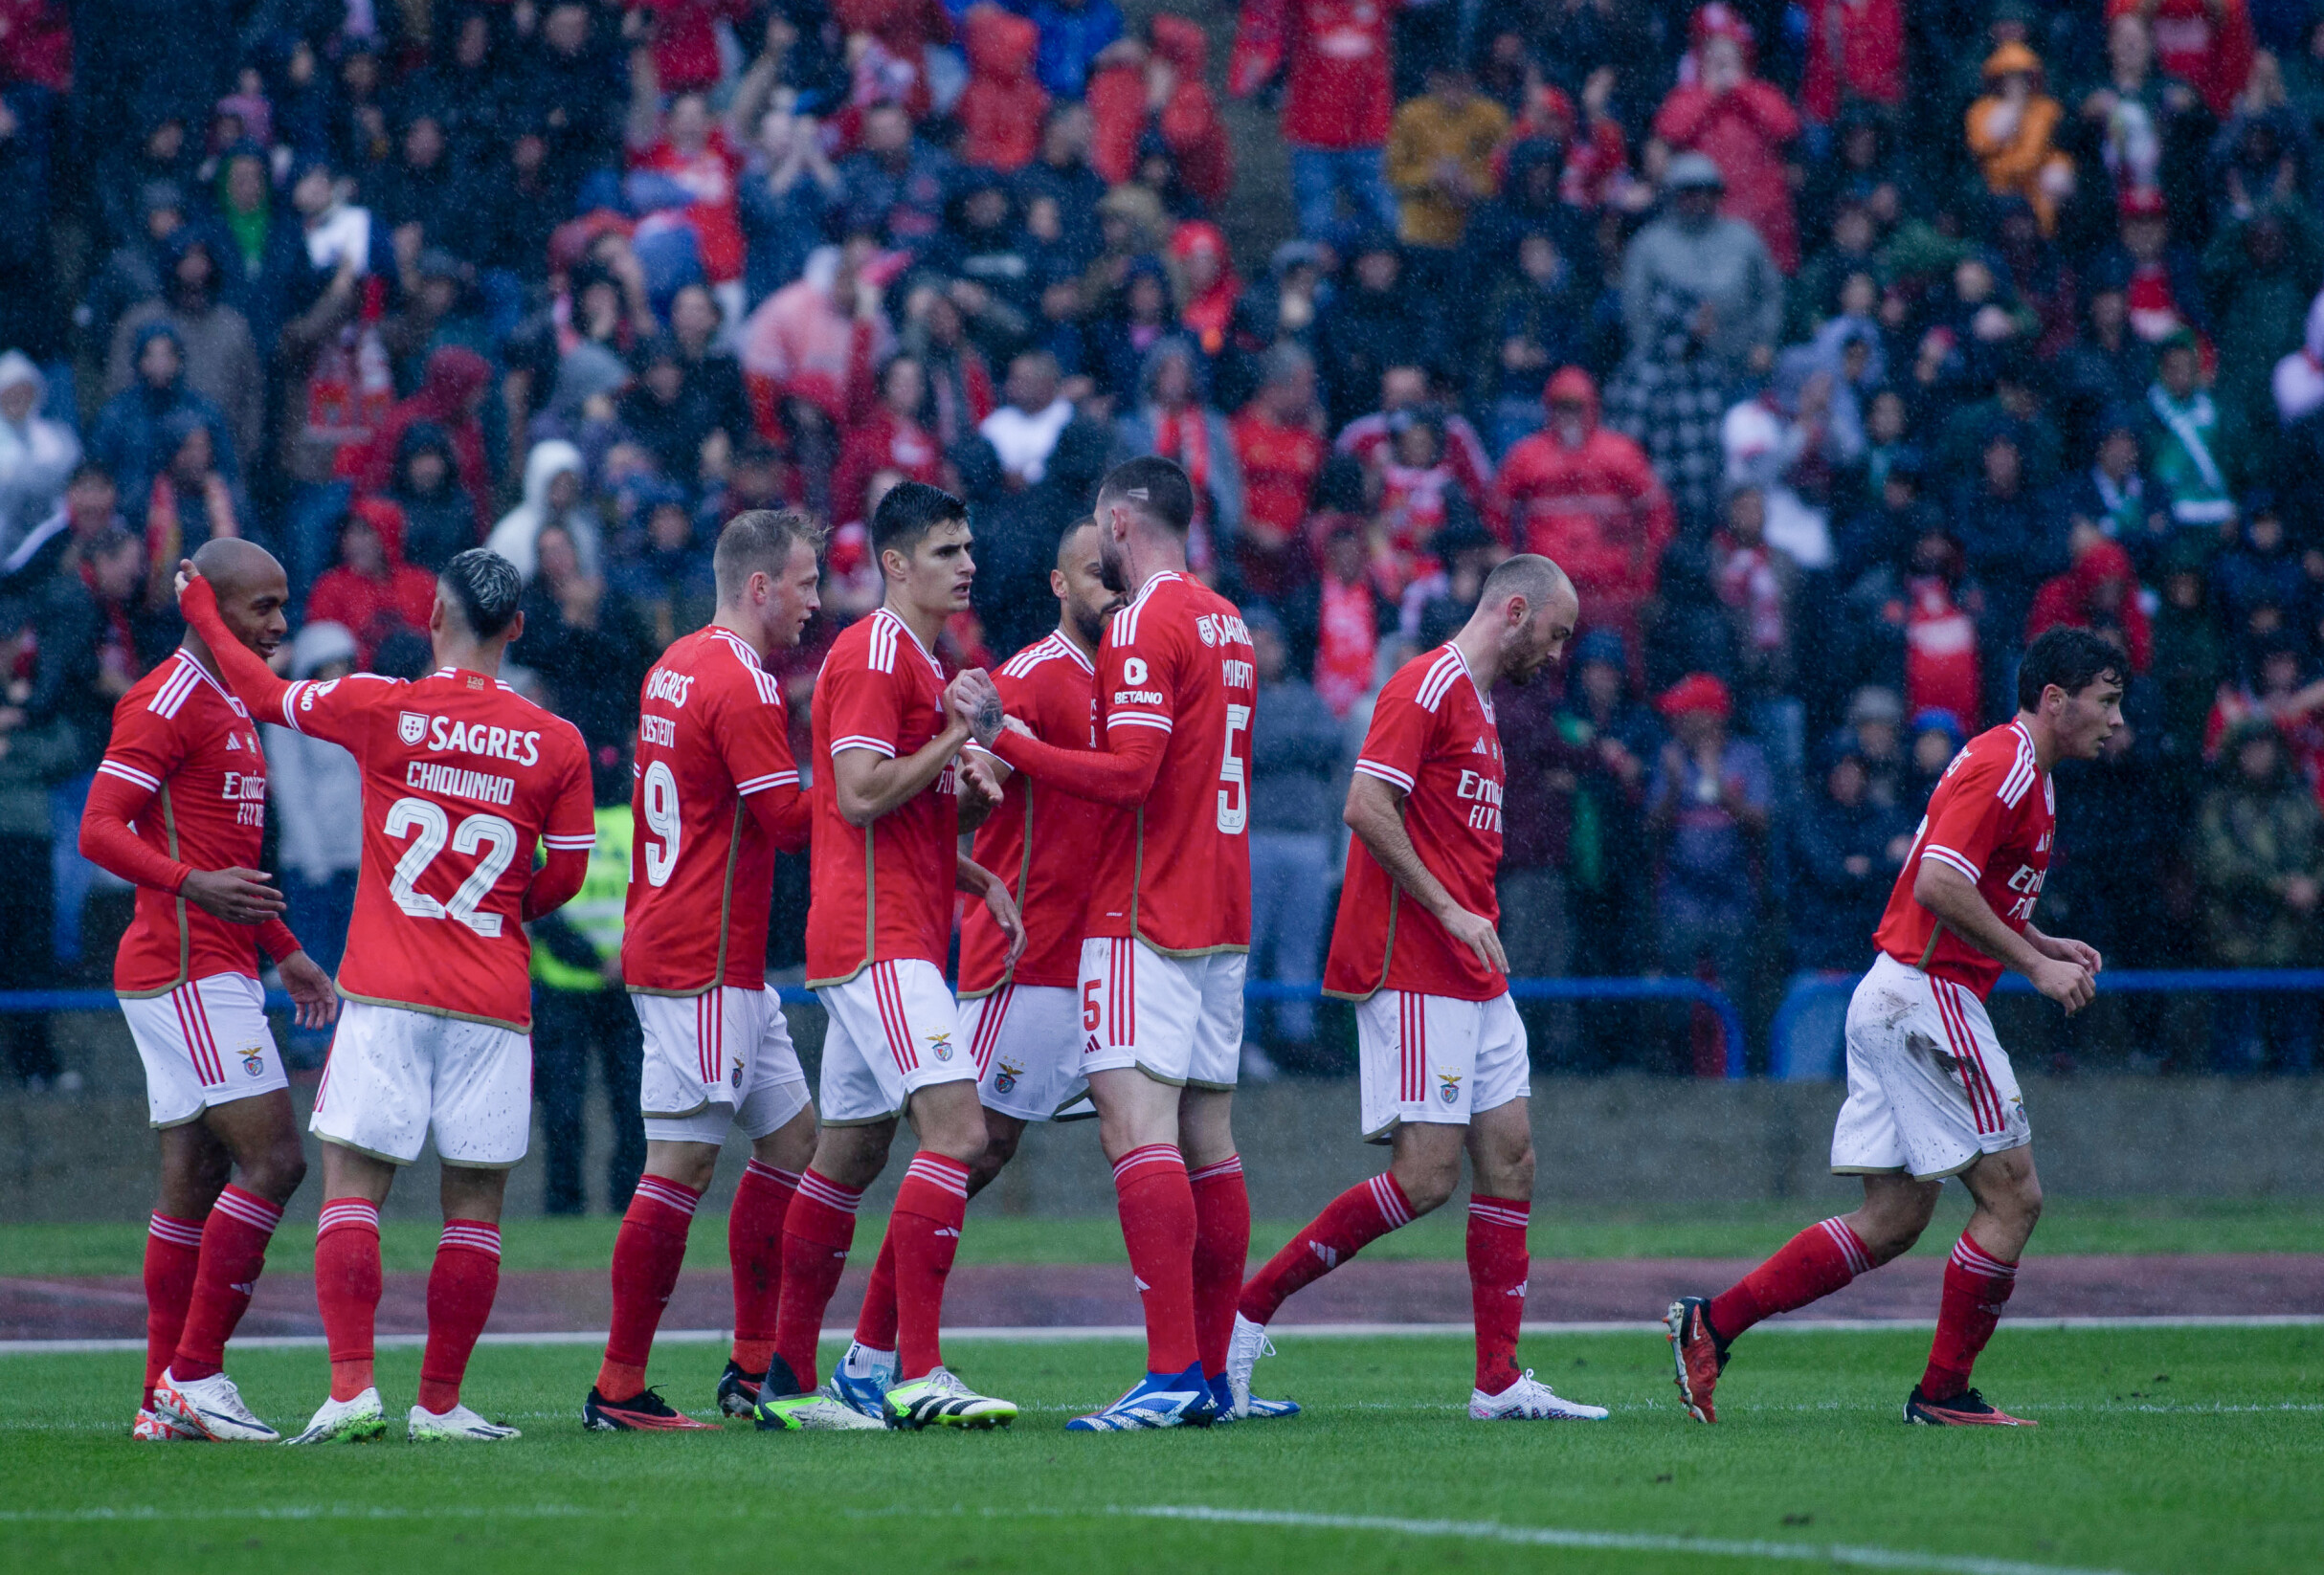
(1026, 1040)
(395, 1074)
(894, 1031)
(716, 1060)
(1433, 1058)
(1929, 1088)
(204, 1043)
(1176, 1019)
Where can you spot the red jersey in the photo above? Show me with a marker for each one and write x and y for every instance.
(1176, 685)
(717, 795)
(1040, 839)
(709, 175)
(1433, 737)
(1992, 817)
(881, 893)
(462, 781)
(182, 787)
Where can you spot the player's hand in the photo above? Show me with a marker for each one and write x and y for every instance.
(1011, 724)
(1003, 909)
(975, 704)
(2078, 951)
(314, 999)
(186, 574)
(979, 787)
(1476, 932)
(237, 895)
(2068, 984)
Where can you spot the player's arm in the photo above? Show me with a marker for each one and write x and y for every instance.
(253, 682)
(126, 785)
(976, 880)
(1376, 813)
(868, 778)
(566, 841)
(1961, 908)
(2065, 950)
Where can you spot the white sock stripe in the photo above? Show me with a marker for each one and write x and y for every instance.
(1500, 1214)
(175, 1232)
(669, 1194)
(1152, 1153)
(1973, 1258)
(1850, 1248)
(342, 1213)
(829, 1194)
(480, 1238)
(1385, 1195)
(256, 1212)
(950, 1175)
(1230, 1165)
(780, 1177)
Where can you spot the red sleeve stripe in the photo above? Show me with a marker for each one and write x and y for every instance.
(1387, 774)
(1137, 719)
(128, 773)
(1945, 857)
(772, 779)
(863, 740)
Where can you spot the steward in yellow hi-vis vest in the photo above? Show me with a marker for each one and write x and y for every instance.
(582, 1014)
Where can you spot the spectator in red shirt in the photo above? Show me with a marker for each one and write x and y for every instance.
(685, 41)
(372, 590)
(1855, 54)
(1279, 441)
(2209, 44)
(1161, 84)
(1001, 108)
(1336, 101)
(1585, 497)
(691, 149)
(885, 434)
(1742, 123)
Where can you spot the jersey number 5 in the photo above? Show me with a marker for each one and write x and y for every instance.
(1234, 803)
(492, 839)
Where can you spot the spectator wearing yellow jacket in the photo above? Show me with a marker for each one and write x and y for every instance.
(2011, 133)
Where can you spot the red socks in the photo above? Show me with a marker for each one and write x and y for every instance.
(233, 1249)
(1222, 1252)
(647, 1254)
(754, 1248)
(925, 1225)
(173, 1255)
(1812, 1265)
(1977, 1287)
(876, 1323)
(816, 1234)
(1157, 1207)
(1352, 1221)
(1497, 1265)
(461, 1288)
(346, 1289)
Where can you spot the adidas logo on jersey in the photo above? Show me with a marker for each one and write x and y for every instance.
(234, 740)
(1478, 747)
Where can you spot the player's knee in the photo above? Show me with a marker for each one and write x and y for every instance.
(1427, 1186)
(1001, 1147)
(275, 1171)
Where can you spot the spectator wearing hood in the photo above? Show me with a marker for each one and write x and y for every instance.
(452, 391)
(316, 790)
(2262, 569)
(2207, 44)
(1855, 55)
(39, 751)
(1742, 125)
(1586, 498)
(1144, 316)
(665, 576)
(1845, 851)
(666, 411)
(1001, 108)
(584, 640)
(2012, 135)
(2259, 859)
(2261, 271)
(133, 270)
(371, 590)
(1157, 88)
(885, 433)
(2099, 592)
(555, 494)
(439, 515)
(986, 260)
(1715, 271)
(1280, 448)
(37, 455)
(1338, 96)
(128, 439)
(263, 270)
(1375, 320)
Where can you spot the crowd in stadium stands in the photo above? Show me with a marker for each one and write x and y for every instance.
(1833, 347)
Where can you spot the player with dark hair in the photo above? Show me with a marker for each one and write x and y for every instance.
(1439, 1045)
(178, 810)
(716, 795)
(462, 781)
(886, 809)
(1167, 934)
(1930, 1093)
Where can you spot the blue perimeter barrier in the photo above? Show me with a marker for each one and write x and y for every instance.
(1731, 1020)
(1809, 989)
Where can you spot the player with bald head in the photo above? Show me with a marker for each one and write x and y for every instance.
(463, 781)
(1439, 1046)
(178, 810)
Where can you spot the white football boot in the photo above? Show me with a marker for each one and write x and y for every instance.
(153, 1427)
(362, 1420)
(1529, 1400)
(212, 1407)
(458, 1426)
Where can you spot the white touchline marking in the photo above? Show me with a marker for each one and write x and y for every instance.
(140, 1513)
(1046, 1334)
(1618, 1542)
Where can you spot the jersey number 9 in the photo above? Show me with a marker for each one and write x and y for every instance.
(662, 819)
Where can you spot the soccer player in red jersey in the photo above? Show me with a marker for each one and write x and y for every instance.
(717, 796)
(886, 803)
(1930, 1093)
(178, 810)
(1167, 930)
(1439, 1045)
(462, 781)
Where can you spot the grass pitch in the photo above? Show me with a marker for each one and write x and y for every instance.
(2161, 1450)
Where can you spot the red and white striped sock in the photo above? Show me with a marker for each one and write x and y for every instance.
(465, 1277)
(1351, 1222)
(648, 1252)
(1807, 1268)
(816, 1234)
(754, 1249)
(1976, 1288)
(346, 1289)
(233, 1251)
(925, 1225)
(1222, 1254)
(1157, 1209)
(1497, 1269)
(174, 1256)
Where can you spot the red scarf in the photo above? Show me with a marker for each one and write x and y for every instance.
(1185, 435)
(1347, 644)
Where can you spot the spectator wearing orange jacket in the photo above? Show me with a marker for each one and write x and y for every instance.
(1160, 84)
(1586, 498)
(1001, 110)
